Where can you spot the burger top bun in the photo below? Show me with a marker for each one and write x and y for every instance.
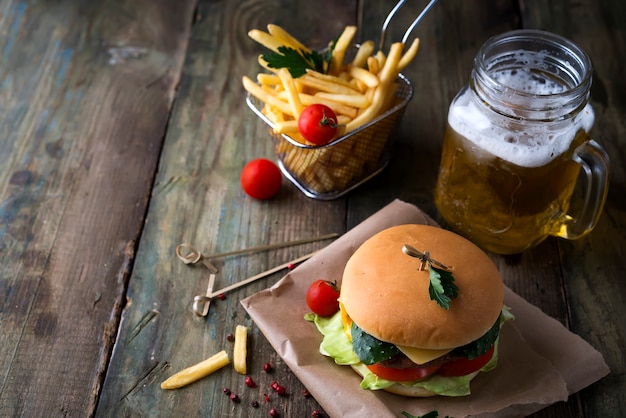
(386, 294)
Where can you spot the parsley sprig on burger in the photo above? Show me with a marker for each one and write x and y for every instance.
(392, 331)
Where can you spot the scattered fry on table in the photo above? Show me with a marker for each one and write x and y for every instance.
(197, 371)
(240, 350)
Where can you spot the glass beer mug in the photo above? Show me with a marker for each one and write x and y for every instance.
(516, 138)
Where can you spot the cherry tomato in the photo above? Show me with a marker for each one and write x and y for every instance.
(323, 297)
(463, 366)
(318, 124)
(261, 179)
(408, 374)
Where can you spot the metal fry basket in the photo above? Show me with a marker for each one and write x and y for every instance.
(328, 171)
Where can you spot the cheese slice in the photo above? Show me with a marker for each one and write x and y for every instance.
(421, 355)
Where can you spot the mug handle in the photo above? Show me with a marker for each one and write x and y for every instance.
(595, 164)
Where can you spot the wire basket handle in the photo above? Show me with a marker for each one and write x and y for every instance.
(393, 12)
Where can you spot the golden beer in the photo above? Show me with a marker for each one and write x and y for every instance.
(514, 144)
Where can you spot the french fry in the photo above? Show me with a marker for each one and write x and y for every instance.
(409, 55)
(389, 71)
(273, 114)
(338, 108)
(369, 113)
(341, 46)
(343, 119)
(325, 85)
(292, 92)
(359, 85)
(341, 79)
(265, 39)
(344, 76)
(345, 39)
(373, 65)
(286, 127)
(286, 39)
(258, 92)
(240, 349)
(365, 50)
(365, 76)
(381, 58)
(265, 65)
(197, 371)
(356, 100)
(268, 79)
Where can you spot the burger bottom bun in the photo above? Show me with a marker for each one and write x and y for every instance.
(411, 391)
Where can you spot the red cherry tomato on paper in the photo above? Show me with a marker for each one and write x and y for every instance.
(318, 124)
(261, 179)
(402, 375)
(323, 297)
(463, 366)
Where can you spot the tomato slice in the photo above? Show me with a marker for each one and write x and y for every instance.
(402, 375)
(463, 366)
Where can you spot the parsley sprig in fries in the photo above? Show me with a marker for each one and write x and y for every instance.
(299, 61)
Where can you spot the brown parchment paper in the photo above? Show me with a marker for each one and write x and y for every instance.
(540, 361)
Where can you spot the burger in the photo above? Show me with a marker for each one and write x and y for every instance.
(420, 313)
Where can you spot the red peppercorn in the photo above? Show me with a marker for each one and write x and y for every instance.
(254, 404)
(230, 337)
(306, 393)
(226, 391)
(267, 367)
(249, 382)
(316, 413)
(234, 398)
(221, 296)
(273, 412)
(280, 390)
(291, 266)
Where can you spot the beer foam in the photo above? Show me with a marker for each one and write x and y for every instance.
(528, 81)
(525, 149)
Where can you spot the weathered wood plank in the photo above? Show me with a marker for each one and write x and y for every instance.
(76, 79)
(593, 267)
(197, 199)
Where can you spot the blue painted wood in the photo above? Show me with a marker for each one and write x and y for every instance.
(80, 135)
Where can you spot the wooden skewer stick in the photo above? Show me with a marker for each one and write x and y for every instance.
(206, 299)
(261, 275)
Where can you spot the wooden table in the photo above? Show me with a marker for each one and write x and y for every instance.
(123, 131)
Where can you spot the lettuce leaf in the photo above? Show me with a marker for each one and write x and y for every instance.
(336, 344)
